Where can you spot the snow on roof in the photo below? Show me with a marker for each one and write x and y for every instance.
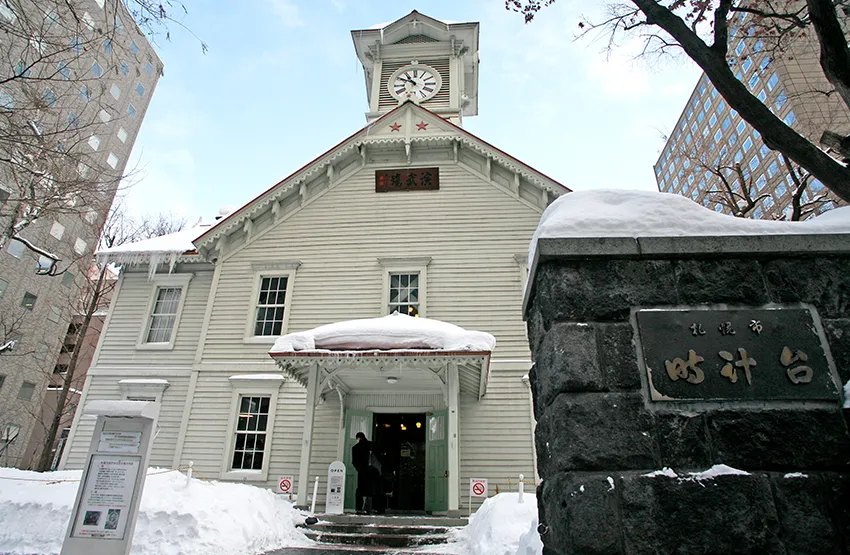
(387, 23)
(625, 213)
(155, 250)
(396, 331)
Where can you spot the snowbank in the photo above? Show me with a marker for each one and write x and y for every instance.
(205, 518)
(623, 213)
(847, 395)
(502, 526)
(396, 331)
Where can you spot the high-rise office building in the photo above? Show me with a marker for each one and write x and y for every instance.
(710, 137)
(77, 78)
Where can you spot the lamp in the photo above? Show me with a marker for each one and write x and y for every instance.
(392, 380)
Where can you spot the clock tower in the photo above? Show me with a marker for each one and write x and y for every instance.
(430, 62)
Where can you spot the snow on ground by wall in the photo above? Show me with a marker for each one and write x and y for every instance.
(396, 331)
(623, 213)
(847, 395)
(501, 526)
(203, 518)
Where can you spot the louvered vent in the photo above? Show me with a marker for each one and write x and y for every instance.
(441, 100)
(414, 39)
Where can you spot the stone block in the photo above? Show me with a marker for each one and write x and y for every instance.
(733, 281)
(683, 440)
(822, 281)
(837, 488)
(581, 514)
(567, 362)
(804, 515)
(535, 396)
(837, 333)
(727, 514)
(780, 439)
(595, 431)
(618, 356)
(601, 290)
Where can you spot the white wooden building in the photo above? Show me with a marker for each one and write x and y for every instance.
(411, 213)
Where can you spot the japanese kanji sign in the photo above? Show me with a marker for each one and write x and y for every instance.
(734, 354)
(407, 179)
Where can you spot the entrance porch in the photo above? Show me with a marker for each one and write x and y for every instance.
(406, 400)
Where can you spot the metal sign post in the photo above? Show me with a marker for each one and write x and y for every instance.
(107, 503)
(477, 488)
(285, 485)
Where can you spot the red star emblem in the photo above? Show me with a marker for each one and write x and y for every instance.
(394, 127)
(421, 126)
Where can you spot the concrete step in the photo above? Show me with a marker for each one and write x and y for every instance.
(375, 539)
(330, 527)
(395, 520)
(347, 550)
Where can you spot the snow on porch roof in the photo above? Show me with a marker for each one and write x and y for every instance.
(396, 338)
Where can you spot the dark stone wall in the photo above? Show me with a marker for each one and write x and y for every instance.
(597, 436)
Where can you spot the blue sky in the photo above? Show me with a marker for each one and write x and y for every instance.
(281, 84)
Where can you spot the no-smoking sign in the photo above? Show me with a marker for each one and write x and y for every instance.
(284, 484)
(478, 487)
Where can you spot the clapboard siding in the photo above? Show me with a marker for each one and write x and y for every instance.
(470, 229)
(105, 387)
(129, 316)
(495, 433)
(362, 402)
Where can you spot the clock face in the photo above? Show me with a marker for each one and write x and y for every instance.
(416, 82)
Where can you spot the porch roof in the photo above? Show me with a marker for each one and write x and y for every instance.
(388, 371)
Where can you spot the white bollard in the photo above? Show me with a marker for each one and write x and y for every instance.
(315, 495)
(521, 488)
(189, 473)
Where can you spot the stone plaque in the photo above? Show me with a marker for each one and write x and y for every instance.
(407, 179)
(734, 354)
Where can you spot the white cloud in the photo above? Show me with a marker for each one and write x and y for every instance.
(288, 12)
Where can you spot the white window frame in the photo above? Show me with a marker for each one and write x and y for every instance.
(522, 263)
(247, 385)
(179, 280)
(285, 269)
(139, 388)
(405, 265)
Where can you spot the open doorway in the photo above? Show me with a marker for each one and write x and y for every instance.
(400, 443)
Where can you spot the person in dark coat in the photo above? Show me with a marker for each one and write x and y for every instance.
(361, 459)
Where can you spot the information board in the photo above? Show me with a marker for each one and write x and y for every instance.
(107, 495)
(335, 498)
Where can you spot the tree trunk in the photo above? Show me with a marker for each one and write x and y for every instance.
(775, 133)
(834, 53)
(50, 439)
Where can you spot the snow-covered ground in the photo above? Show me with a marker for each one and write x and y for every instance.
(195, 517)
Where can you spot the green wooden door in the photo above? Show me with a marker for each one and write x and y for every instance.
(355, 421)
(437, 462)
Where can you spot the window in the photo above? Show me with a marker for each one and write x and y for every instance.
(764, 151)
(733, 138)
(67, 279)
(764, 63)
(16, 248)
(57, 230)
(164, 309)
(772, 82)
(122, 135)
(60, 369)
(149, 68)
(781, 98)
(131, 111)
(762, 96)
(7, 12)
(718, 135)
(790, 118)
(112, 160)
(772, 169)
(754, 162)
(739, 48)
(26, 392)
(28, 301)
(22, 70)
(115, 91)
(55, 314)
(85, 94)
(712, 120)
(134, 48)
(748, 63)
(781, 189)
(164, 314)
(405, 283)
(816, 186)
(107, 46)
(3, 285)
(726, 123)
(700, 117)
(104, 116)
(96, 70)
(748, 144)
(249, 444)
(49, 97)
(64, 70)
(125, 69)
(41, 351)
(740, 127)
(753, 80)
(404, 294)
(758, 47)
(76, 45)
(767, 202)
(94, 142)
(271, 305)
(79, 246)
(140, 89)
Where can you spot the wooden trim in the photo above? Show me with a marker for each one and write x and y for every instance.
(184, 420)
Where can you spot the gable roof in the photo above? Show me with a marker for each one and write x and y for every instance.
(380, 131)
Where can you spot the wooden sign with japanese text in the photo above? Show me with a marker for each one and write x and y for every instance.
(407, 179)
(734, 354)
